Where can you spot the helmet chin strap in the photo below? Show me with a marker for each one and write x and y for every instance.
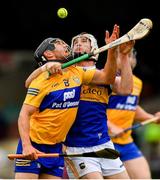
(57, 60)
(66, 59)
(52, 60)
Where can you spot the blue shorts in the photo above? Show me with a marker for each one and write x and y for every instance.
(52, 166)
(128, 151)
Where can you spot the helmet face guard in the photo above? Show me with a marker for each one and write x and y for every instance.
(93, 41)
(49, 44)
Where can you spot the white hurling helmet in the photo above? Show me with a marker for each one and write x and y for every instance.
(93, 40)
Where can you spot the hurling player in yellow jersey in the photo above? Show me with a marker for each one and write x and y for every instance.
(122, 110)
(51, 105)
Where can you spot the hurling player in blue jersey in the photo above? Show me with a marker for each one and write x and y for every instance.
(90, 132)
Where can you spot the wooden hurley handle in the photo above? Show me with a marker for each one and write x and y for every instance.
(21, 156)
(148, 121)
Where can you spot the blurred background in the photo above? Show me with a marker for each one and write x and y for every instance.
(24, 24)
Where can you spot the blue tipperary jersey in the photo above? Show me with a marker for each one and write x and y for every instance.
(90, 127)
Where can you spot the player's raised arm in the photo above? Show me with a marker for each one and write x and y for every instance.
(124, 81)
(107, 75)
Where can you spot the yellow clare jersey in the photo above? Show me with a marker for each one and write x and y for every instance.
(57, 99)
(121, 110)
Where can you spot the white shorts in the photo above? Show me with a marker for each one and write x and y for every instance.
(85, 165)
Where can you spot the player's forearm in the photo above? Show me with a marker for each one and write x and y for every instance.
(24, 129)
(108, 74)
(110, 67)
(126, 83)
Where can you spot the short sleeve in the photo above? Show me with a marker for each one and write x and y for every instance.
(36, 91)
